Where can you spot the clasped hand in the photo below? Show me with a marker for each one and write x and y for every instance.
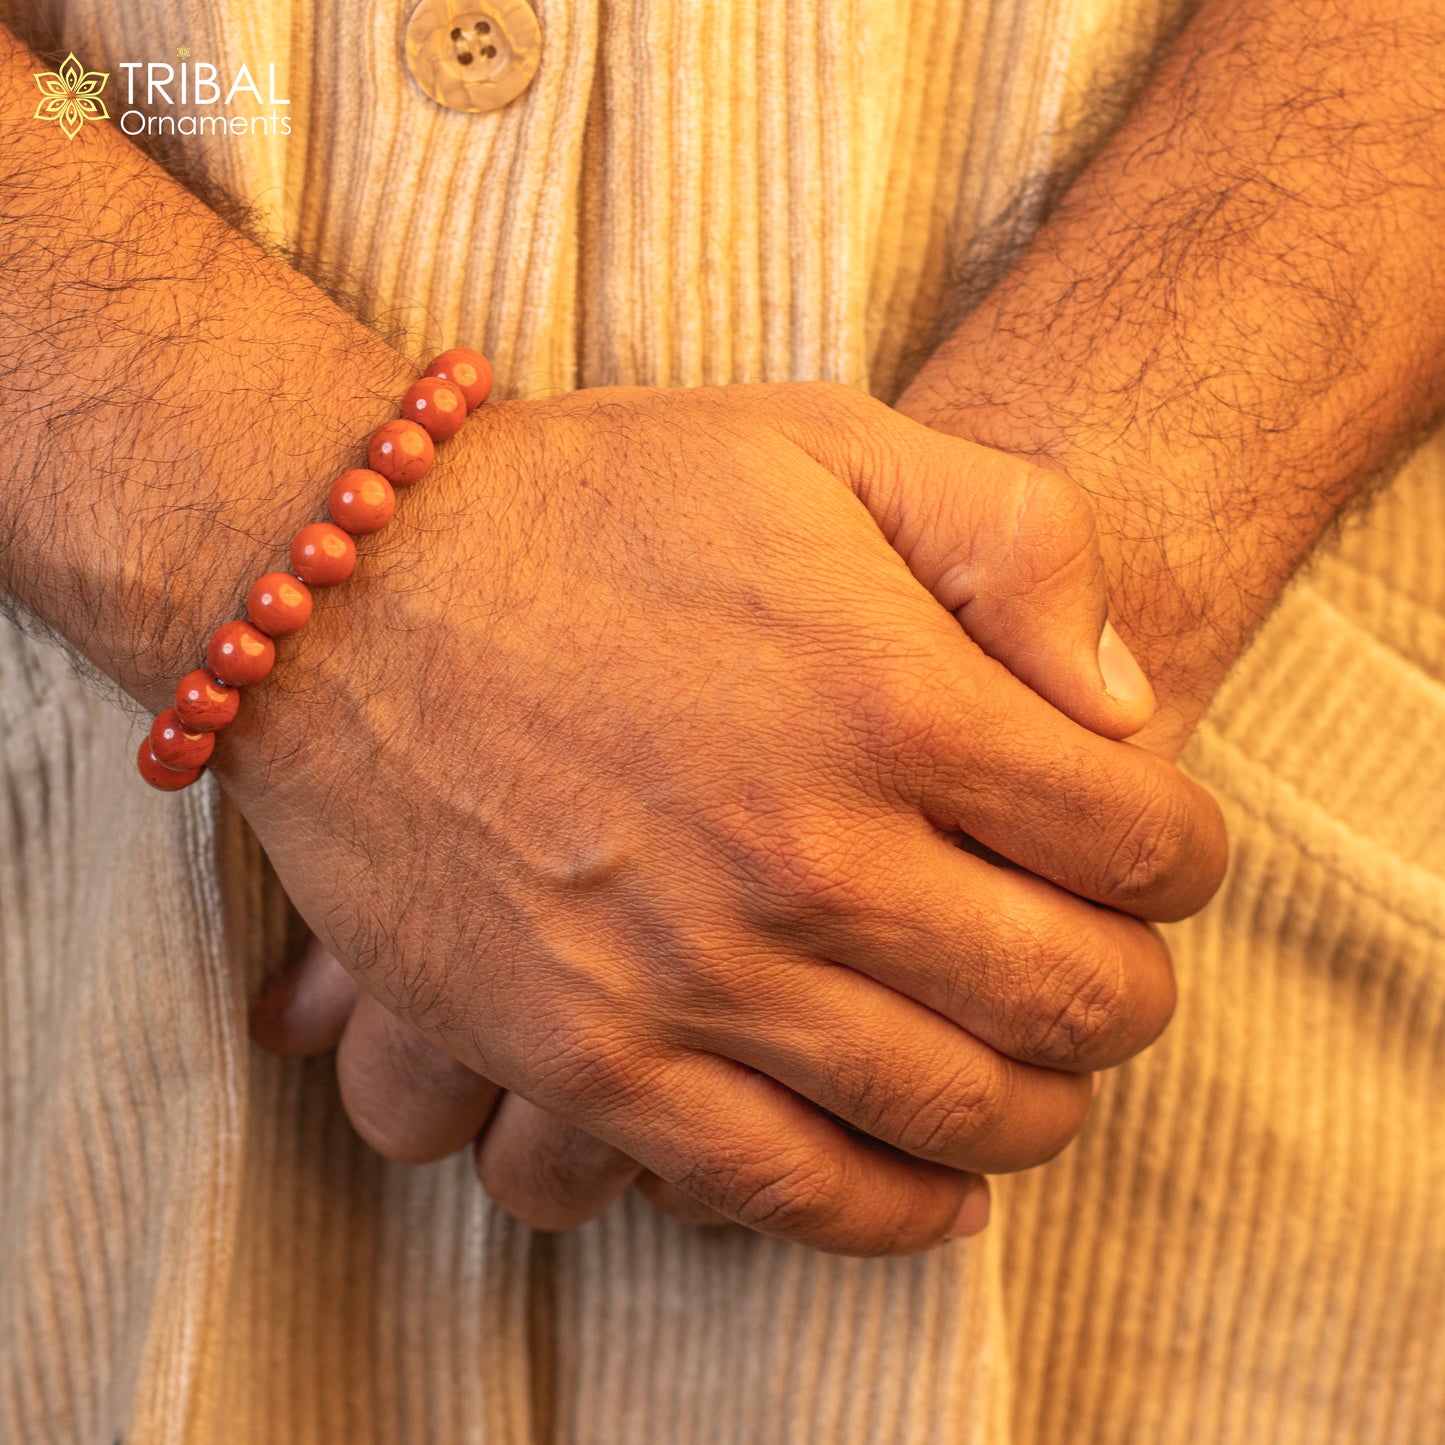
(632, 778)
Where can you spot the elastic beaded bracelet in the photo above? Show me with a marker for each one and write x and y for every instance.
(361, 501)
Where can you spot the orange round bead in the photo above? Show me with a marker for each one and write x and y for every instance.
(469, 371)
(173, 745)
(278, 604)
(402, 451)
(240, 653)
(168, 780)
(205, 704)
(322, 554)
(438, 405)
(361, 501)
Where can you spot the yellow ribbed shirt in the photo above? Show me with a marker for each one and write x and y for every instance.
(1247, 1245)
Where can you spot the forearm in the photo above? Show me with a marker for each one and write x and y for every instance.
(1234, 321)
(174, 400)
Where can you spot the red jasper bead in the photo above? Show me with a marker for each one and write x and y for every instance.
(469, 371)
(402, 451)
(174, 746)
(361, 501)
(278, 604)
(438, 405)
(322, 554)
(240, 653)
(205, 704)
(168, 780)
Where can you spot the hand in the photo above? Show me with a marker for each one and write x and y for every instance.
(415, 1103)
(712, 778)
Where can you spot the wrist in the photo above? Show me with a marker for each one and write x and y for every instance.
(136, 577)
(1229, 327)
(177, 443)
(177, 399)
(339, 672)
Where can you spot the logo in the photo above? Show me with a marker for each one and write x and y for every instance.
(193, 97)
(71, 96)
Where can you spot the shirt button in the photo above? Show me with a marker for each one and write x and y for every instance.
(473, 54)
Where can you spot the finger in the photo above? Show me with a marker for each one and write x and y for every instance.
(670, 1200)
(888, 1066)
(1101, 819)
(1029, 969)
(546, 1172)
(1009, 548)
(960, 740)
(304, 1010)
(749, 1149)
(407, 1098)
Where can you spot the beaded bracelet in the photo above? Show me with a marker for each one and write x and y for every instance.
(362, 500)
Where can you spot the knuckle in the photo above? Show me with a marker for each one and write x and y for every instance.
(1052, 506)
(563, 1178)
(412, 1121)
(903, 716)
(736, 989)
(963, 1102)
(1146, 858)
(574, 1174)
(799, 871)
(594, 1072)
(831, 397)
(1087, 1013)
(829, 412)
(556, 1178)
(805, 1199)
(800, 1203)
(905, 693)
(1054, 527)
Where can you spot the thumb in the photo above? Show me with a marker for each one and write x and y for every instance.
(1012, 551)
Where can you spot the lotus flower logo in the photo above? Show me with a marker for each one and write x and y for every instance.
(71, 96)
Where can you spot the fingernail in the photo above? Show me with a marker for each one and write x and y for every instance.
(1124, 680)
(972, 1213)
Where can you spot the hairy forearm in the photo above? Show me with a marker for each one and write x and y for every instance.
(173, 398)
(1234, 321)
